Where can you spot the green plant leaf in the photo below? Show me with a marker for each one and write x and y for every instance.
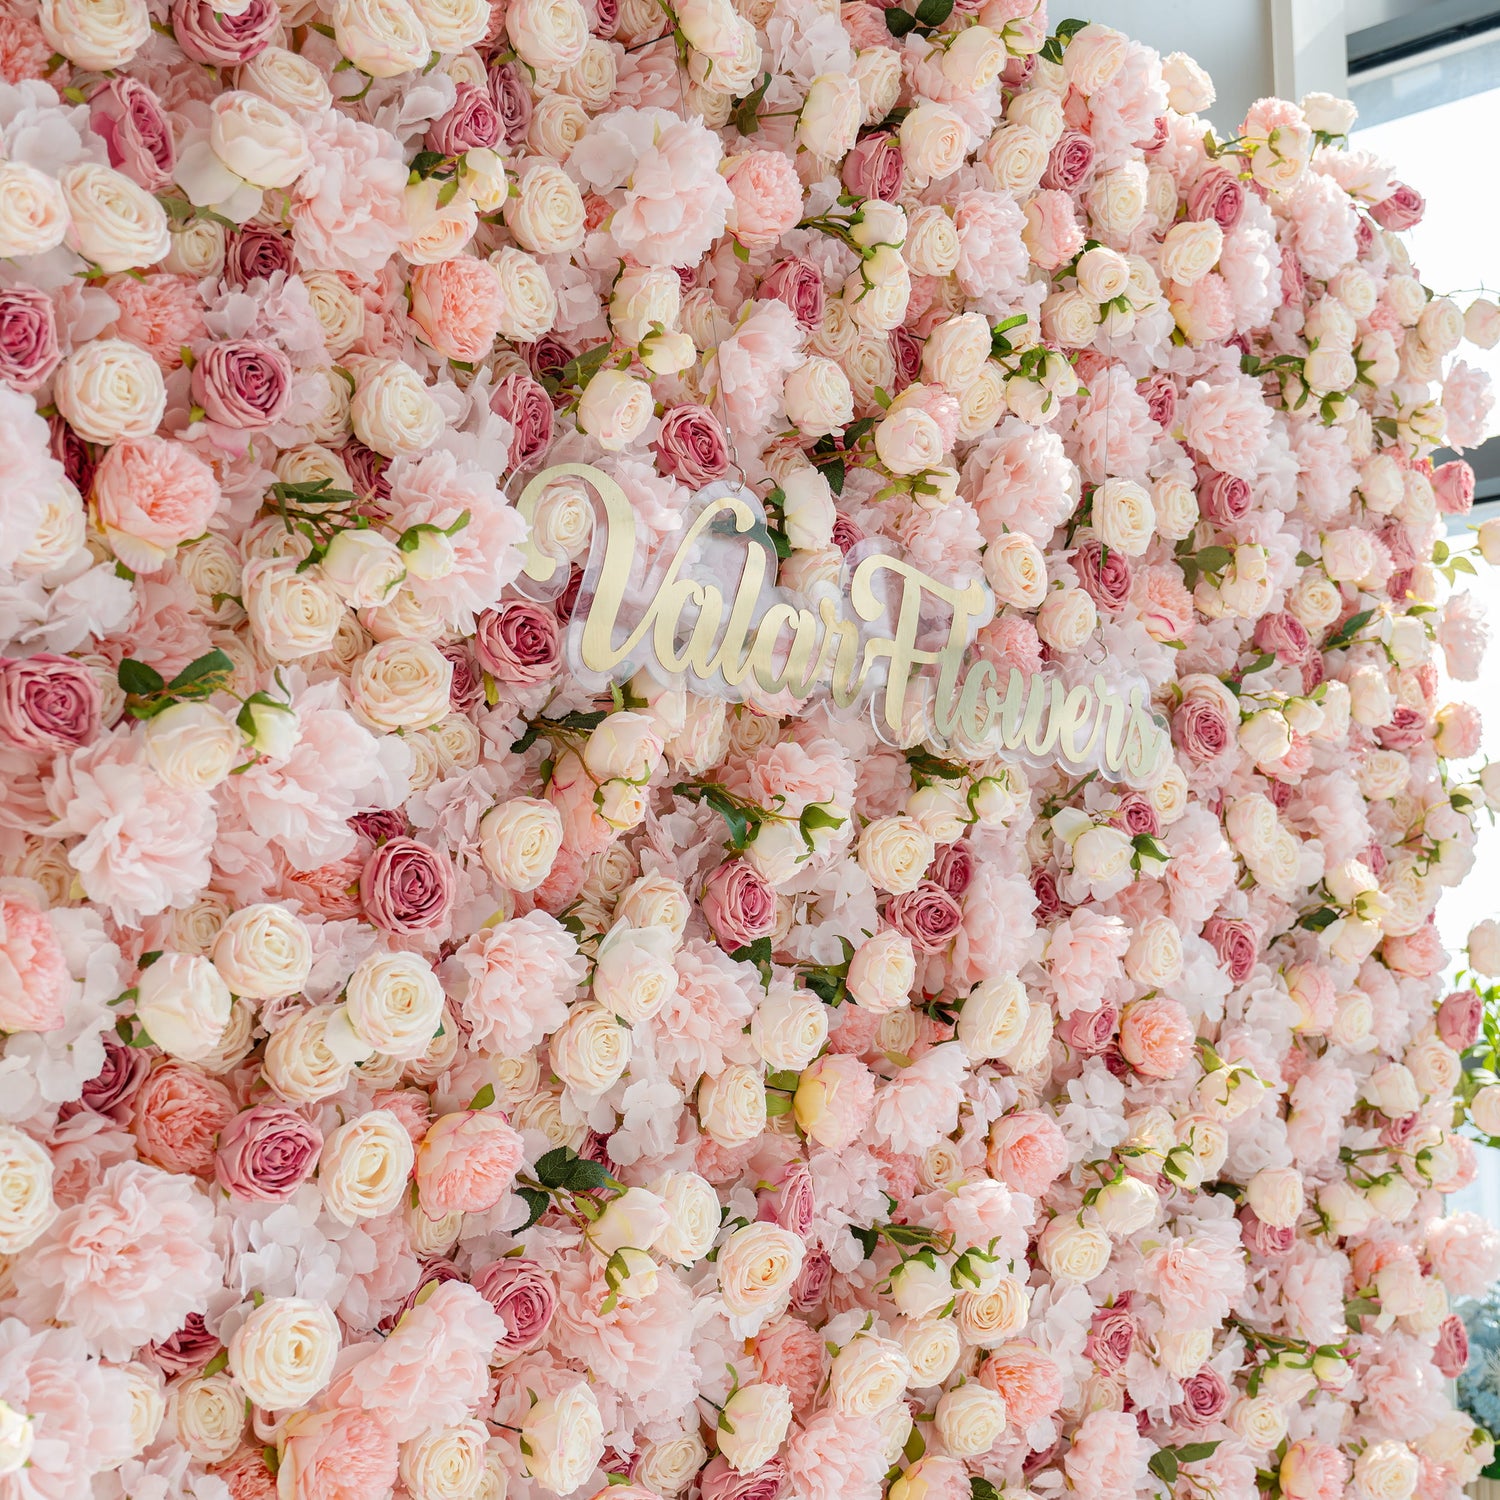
(537, 1201)
(137, 678)
(484, 1098)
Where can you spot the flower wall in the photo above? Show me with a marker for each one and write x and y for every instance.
(424, 1076)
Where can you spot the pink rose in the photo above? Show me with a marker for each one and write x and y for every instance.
(34, 978)
(738, 905)
(1156, 1037)
(1028, 1378)
(1218, 195)
(518, 642)
(512, 100)
(1200, 728)
(1451, 1352)
(1284, 635)
(793, 1201)
(1459, 1018)
(1234, 943)
(217, 37)
(458, 304)
(1205, 1398)
(1313, 1471)
(767, 198)
(266, 1153)
(112, 1090)
(1224, 498)
(1028, 1151)
(906, 350)
(1104, 574)
(406, 887)
(874, 168)
(466, 1163)
(929, 916)
(1070, 161)
(179, 1113)
(952, 868)
(256, 252)
(524, 1295)
(1453, 486)
(691, 446)
(1265, 1239)
(471, 121)
(129, 118)
(1052, 231)
(1090, 1032)
(155, 493)
(47, 703)
(525, 404)
(1160, 391)
(1112, 1336)
(28, 337)
(242, 384)
(719, 1482)
(188, 1350)
(1401, 209)
(799, 284)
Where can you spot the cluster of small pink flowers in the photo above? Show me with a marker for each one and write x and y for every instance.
(426, 1074)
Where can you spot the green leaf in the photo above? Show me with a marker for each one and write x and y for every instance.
(1357, 1308)
(816, 816)
(215, 663)
(1316, 921)
(537, 1201)
(1261, 662)
(585, 1176)
(1348, 630)
(271, 1459)
(137, 678)
(1305, 560)
(425, 163)
(834, 472)
(930, 767)
(746, 114)
(1192, 1453)
(786, 1080)
(868, 1238)
(982, 1489)
(934, 12)
(147, 959)
(582, 369)
(220, 1361)
(898, 22)
(1163, 1464)
(484, 1098)
(552, 1166)
(778, 1104)
(856, 430)
(1214, 559)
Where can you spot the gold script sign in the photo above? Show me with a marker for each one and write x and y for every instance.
(703, 609)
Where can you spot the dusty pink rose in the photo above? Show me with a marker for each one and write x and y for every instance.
(28, 337)
(1090, 1032)
(112, 1090)
(156, 493)
(1070, 161)
(929, 916)
(738, 905)
(1156, 1037)
(129, 118)
(1205, 1398)
(47, 703)
(187, 1350)
(518, 642)
(719, 1482)
(34, 978)
(1459, 1018)
(952, 868)
(874, 168)
(1201, 730)
(1453, 485)
(691, 446)
(1451, 1352)
(1104, 574)
(471, 121)
(1218, 195)
(525, 1296)
(266, 1152)
(525, 404)
(217, 37)
(512, 100)
(466, 1163)
(407, 887)
(1112, 1335)
(242, 384)
(798, 283)
(256, 252)
(1401, 209)
(1233, 941)
(1224, 498)
(767, 197)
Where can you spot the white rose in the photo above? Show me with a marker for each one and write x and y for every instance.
(1276, 1194)
(197, 249)
(1066, 619)
(453, 25)
(867, 1375)
(293, 82)
(206, 1415)
(363, 567)
(590, 1050)
(184, 1004)
(529, 301)
(1484, 1109)
(96, 35)
(1124, 518)
(643, 296)
(383, 38)
(27, 1208)
(932, 247)
(292, 614)
(299, 1064)
(895, 853)
(394, 1003)
(693, 1217)
(919, 1289)
(615, 408)
(993, 1018)
(545, 214)
(1189, 89)
(1393, 1091)
(193, 745)
(401, 684)
(1072, 1251)
(934, 141)
(1154, 957)
(110, 389)
(1016, 569)
(637, 1218)
(754, 1423)
(263, 952)
(518, 841)
(564, 1439)
(732, 1106)
(788, 1029)
(831, 115)
(1126, 1206)
(1103, 274)
(818, 397)
(393, 412)
(548, 34)
(1386, 1470)
(114, 223)
(1484, 948)
(668, 1465)
(956, 350)
(633, 973)
(932, 1347)
(365, 1166)
(756, 1268)
(256, 139)
(33, 211)
(1175, 503)
(807, 509)
(1016, 155)
(1190, 250)
(446, 1463)
(282, 1354)
(969, 1419)
(654, 900)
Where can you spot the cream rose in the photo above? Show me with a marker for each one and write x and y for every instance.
(393, 412)
(932, 1347)
(110, 389)
(33, 211)
(1016, 569)
(545, 214)
(263, 952)
(292, 614)
(934, 141)
(1124, 518)
(383, 38)
(446, 1463)
(818, 397)
(282, 1354)
(732, 1105)
(365, 1166)
(993, 1018)
(883, 968)
(756, 1268)
(969, 1419)
(895, 853)
(867, 1375)
(615, 408)
(668, 1465)
(363, 567)
(564, 1438)
(755, 1421)
(590, 1050)
(394, 1003)
(633, 971)
(519, 840)
(207, 1415)
(788, 1029)
(530, 305)
(96, 35)
(299, 1064)
(831, 115)
(1072, 1251)
(692, 1217)
(27, 1208)
(184, 1004)
(401, 684)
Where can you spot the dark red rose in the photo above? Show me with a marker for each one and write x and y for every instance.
(266, 1153)
(1224, 498)
(906, 350)
(1017, 70)
(1314, 670)
(1111, 1338)
(1136, 815)
(1284, 635)
(467, 688)
(406, 887)
(379, 826)
(606, 18)
(1218, 195)
(845, 533)
(567, 601)
(738, 905)
(523, 1294)
(1459, 1018)
(1261, 1238)
(1364, 237)
(1049, 905)
(1233, 941)
(1200, 728)
(242, 384)
(75, 455)
(799, 284)
(548, 356)
(1401, 209)
(28, 337)
(1205, 1398)
(1160, 393)
(719, 1482)
(215, 37)
(367, 469)
(1451, 1352)
(1374, 857)
(128, 117)
(929, 916)
(518, 641)
(256, 252)
(1090, 1032)
(512, 101)
(47, 703)
(691, 446)
(472, 122)
(1103, 574)
(874, 168)
(952, 868)
(1070, 161)
(188, 1350)
(528, 408)
(112, 1090)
